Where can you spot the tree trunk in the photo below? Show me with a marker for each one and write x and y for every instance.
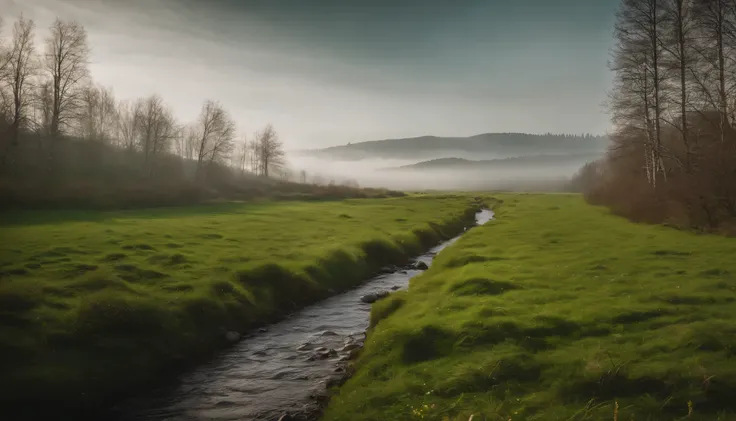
(721, 75)
(657, 105)
(683, 82)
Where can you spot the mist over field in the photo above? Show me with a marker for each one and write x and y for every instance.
(388, 173)
(514, 161)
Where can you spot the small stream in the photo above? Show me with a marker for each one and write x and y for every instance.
(282, 368)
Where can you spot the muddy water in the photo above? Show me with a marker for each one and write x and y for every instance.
(282, 368)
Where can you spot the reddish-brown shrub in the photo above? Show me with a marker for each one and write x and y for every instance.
(697, 188)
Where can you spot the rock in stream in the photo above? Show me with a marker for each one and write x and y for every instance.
(373, 297)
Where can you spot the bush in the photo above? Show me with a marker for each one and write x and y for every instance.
(696, 189)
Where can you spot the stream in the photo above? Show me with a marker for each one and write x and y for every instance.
(280, 369)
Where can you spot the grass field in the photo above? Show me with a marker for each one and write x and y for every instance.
(95, 303)
(556, 311)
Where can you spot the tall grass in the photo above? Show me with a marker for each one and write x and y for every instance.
(94, 305)
(556, 310)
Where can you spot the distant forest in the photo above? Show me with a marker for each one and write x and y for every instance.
(66, 141)
(673, 103)
(498, 144)
(517, 162)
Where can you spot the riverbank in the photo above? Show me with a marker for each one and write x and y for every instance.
(556, 311)
(96, 304)
(284, 370)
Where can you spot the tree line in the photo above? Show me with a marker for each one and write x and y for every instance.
(673, 105)
(50, 108)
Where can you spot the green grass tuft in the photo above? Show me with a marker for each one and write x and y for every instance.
(384, 308)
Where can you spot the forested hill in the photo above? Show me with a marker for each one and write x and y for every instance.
(489, 145)
(574, 159)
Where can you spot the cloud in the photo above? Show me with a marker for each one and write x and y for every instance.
(326, 71)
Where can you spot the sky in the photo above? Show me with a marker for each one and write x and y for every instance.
(327, 72)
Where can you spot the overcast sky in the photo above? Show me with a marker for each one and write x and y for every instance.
(326, 72)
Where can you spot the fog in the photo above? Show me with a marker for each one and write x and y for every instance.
(386, 173)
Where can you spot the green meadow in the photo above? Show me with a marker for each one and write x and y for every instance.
(556, 310)
(95, 304)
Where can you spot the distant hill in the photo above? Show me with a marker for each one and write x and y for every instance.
(491, 164)
(484, 146)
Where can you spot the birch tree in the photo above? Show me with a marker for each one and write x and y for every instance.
(679, 44)
(254, 155)
(186, 142)
(674, 63)
(715, 20)
(270, 150)
(242, 155)
(638, 92)
(216, 131)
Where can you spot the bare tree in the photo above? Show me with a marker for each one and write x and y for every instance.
(216, 131)
(186, 142)
(43, 103)
(21, 66)
(285, 173)
(156, 129)
(680, 45)
(351, 183)
(4, 76)
(97, 117)
(254, 155)
(67, 56)
(128, 115)
(303, 176)
(638, 89)
(4, 53)
(242, 156)
(73, 131)
(674, 62)
(270, 150)
(715, 21)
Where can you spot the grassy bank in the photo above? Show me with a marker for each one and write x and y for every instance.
(556, 311)
(94, 304)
